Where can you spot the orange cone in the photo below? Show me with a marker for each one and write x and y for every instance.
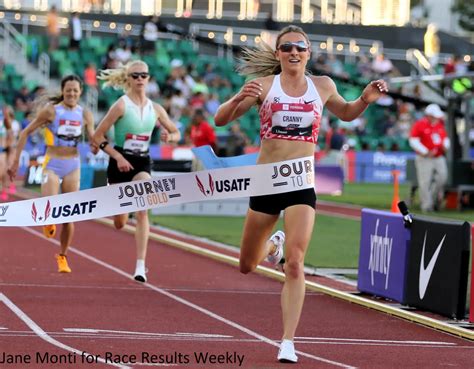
(396, 197)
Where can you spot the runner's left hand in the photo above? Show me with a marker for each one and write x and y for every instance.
(374, 90)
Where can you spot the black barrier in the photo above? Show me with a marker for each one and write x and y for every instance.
(438, 266)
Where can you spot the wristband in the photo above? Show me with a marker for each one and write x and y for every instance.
(363, 100)
(103, 144)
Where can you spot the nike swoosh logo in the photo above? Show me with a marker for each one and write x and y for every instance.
(425, 273)
(309, 102)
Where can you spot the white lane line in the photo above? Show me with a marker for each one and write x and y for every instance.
(131, 338)
(42, 334)
(374, 341)
(188, 303)
(177, 334)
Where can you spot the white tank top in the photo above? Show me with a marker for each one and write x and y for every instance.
(291, 118)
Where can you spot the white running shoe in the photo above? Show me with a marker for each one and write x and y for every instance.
(278, 238)
(140, 274)
(287, 352)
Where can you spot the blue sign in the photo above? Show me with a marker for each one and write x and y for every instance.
(377, 166)
(383, 254)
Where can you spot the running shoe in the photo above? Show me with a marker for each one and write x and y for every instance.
(286, 354)
(140, 274)
(4, 195)
(49, 230)
(63, 267)
(278, 238)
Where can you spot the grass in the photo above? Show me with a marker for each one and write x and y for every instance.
(335, 241)
(329, 247)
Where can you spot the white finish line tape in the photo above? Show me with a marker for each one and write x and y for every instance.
(225, 183)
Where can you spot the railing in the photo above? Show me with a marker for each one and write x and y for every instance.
(92, 98)
(239, 36)
(88, 26)
(14, 45)
(44, 63)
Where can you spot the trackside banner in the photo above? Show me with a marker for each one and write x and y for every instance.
(438, 266)
(254, 180)
(471, 310)
(383, 254)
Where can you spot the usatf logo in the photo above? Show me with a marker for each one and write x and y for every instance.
(62, 211)
(206, 191)
(226, 185)
(44, 216)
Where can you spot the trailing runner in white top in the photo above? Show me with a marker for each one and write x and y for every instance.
(225, 183)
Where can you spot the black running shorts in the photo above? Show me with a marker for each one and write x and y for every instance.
(274, 204)
(139, 164)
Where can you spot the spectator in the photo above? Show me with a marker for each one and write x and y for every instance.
(23, 100)
(90, 75)
(123, 53)
(336, 66)
(432, 44)
(209, 74)
(37, 92)
(236, 141)
(320, 66)
(200, 131)
(152, 89)
(111, 61)
(177, 104)
(364, 67)
(450, 66)
(149, 34)
(126, 39)
(52, 28)
(75, 31)
(429, 140)
(212, 104)
(382, 66)
(180, 79)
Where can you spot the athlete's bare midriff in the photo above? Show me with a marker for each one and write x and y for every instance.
(274, 150)
(62, 152)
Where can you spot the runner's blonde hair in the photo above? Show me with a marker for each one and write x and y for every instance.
(117, 77)
(261, 61)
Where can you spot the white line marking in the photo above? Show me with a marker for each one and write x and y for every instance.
(177, 334)
(42, 334)
(132, 338)
(376, 341)
(188, 303)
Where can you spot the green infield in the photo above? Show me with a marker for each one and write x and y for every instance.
(335, 241)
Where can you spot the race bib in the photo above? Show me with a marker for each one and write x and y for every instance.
(292, 119)
(136, 143)
(69, 128)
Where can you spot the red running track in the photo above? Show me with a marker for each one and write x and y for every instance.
(192, 306)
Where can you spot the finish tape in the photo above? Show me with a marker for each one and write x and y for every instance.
(215, 184)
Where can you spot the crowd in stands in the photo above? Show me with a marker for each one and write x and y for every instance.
(187, 84)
